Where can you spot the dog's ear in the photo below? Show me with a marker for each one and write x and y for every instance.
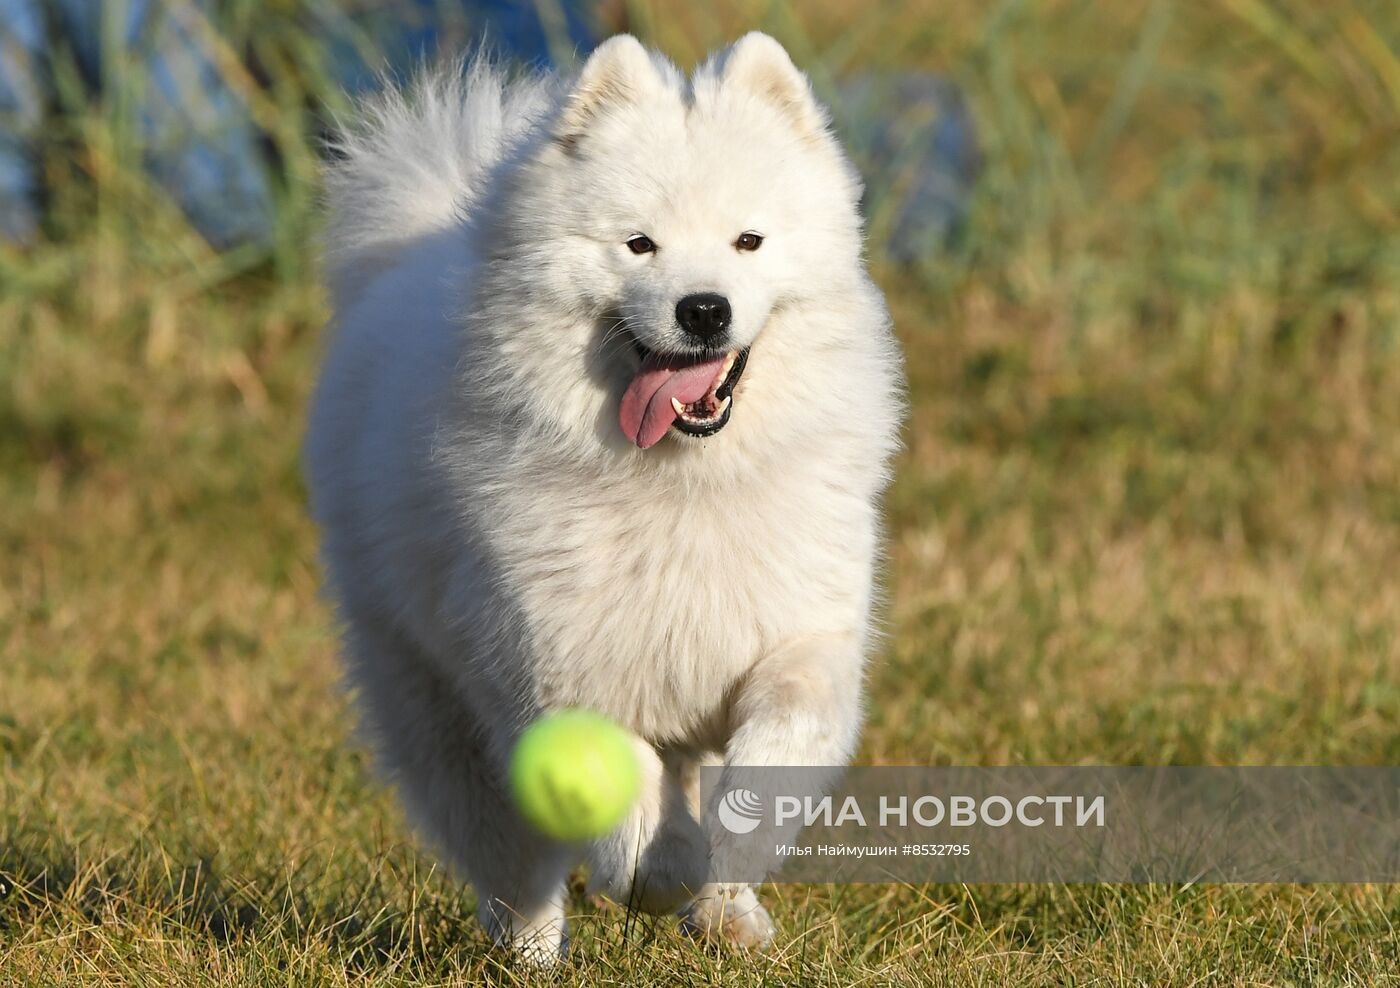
(757, 64)
(619, 73)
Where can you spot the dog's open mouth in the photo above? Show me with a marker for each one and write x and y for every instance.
(692, 392)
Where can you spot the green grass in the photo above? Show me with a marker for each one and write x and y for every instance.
(1149, 512)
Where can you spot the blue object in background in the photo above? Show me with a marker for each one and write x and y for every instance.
(913, 135)
(21, 37)
(909, 131)
(198, 141)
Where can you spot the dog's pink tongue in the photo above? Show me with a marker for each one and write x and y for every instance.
(646, 411)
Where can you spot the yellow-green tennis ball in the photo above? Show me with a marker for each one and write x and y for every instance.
(574, 775)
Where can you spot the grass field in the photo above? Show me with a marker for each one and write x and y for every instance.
(1149, 512)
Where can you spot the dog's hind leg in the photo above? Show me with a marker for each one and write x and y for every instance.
(657, 858)
(427, 741)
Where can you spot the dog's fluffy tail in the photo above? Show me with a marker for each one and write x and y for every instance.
(414, 160)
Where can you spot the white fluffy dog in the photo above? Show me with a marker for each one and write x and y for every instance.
(604, 424)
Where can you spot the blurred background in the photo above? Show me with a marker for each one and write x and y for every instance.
(1144, 259)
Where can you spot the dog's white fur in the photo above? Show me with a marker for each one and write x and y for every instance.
(498, 549)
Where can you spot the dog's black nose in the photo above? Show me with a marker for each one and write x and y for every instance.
(704, 315)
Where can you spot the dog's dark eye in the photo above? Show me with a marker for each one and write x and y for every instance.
(641, 244)
(748, 241)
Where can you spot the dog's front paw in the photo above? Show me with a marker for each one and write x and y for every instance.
(730, 914)
(661, 877)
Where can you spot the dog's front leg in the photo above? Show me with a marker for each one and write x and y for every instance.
(799, 706)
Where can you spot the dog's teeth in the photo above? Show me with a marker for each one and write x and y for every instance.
(701, 419)
(724, 370)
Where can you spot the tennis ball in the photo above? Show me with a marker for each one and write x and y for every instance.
(574, 775)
